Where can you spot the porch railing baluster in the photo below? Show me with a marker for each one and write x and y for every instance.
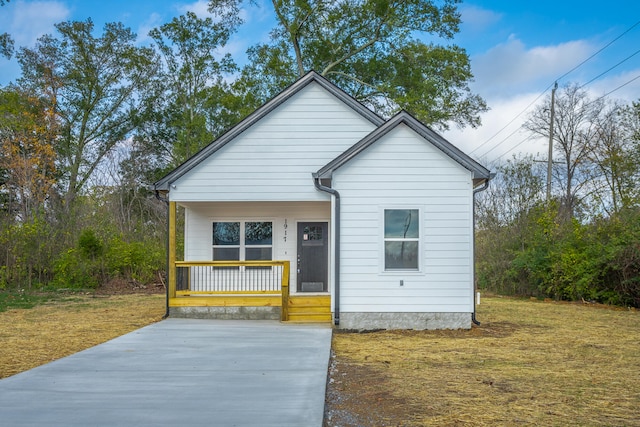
(229, 276)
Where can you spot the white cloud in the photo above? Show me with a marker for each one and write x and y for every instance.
(624, 86)
(497, 135)
(262, 12)
(200, 8)
(27, 21)
(501, 135)
(512, 67)
(153, 21)
(476, 19)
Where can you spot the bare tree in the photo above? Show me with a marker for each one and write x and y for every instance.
(616, 157)
(574, 136)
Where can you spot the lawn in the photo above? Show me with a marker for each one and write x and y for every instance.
(529, 362)
(53, 326)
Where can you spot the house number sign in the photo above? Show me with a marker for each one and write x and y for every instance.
(285, 229)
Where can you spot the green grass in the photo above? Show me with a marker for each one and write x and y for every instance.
(25, 299)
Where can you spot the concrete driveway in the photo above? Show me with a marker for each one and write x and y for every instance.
(181, 372)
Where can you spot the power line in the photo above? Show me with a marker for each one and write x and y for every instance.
(618, 88)
(528, 138)
(502, 141)
(531, 137)
(603, 48)
(605, 72)
(511, 121)
(548, 87)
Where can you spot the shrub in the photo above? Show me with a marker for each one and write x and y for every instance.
(73, 270)
(89, 244)
(136, 260)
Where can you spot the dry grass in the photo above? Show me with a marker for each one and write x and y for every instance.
(32, 337)
(530, 362)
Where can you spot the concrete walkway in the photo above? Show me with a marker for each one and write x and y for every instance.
(181, 372)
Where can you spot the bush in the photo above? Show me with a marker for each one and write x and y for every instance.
(136, 260)
(593, 261)
(74, 271)
(89, 244)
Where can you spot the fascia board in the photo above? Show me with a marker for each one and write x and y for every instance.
(479, 171)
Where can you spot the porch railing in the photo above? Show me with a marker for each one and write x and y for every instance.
(203, 278)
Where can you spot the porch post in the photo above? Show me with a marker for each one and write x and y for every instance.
(172, 250)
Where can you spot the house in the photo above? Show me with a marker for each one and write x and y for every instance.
(314, 207)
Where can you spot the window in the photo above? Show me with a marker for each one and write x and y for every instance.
(401, 239)
(313, 232)
(226, 241)
(256, 242)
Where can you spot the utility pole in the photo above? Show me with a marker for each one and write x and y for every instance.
(550, 158)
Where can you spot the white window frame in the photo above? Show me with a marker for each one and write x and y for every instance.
(384, 239)
(243, 246)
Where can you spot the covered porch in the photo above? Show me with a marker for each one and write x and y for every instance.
(245, 289)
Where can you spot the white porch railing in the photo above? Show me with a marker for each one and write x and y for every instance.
(229, 276)
(219, 278)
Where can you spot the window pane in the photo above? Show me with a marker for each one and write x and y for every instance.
(226, 254)
(257, 233)
(402, 223)
(226, 233)
(313, 232)
(401, 255)
(258, 254)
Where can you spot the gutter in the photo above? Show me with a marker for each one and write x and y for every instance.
(166, 201)
(336, 225)
(477, 190)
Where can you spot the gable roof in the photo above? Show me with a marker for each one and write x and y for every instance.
(480, 173)
(164, 183)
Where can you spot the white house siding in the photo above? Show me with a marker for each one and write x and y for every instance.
(273, 159)
(402, 170)
(199, 218)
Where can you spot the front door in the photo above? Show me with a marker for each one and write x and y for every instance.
(313, 256)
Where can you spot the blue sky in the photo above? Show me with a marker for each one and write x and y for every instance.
(517, 48)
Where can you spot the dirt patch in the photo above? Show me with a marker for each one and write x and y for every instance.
(129, 287)
(374, 404)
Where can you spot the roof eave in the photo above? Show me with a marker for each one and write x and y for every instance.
(478, 171)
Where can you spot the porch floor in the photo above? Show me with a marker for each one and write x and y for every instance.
(302, 308)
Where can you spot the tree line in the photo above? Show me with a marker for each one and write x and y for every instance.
(95, 118)
(583, 242)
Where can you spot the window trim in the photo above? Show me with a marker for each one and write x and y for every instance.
(419, 240)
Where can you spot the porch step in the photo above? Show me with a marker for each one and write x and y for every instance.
(221, 300)
(310, 309)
